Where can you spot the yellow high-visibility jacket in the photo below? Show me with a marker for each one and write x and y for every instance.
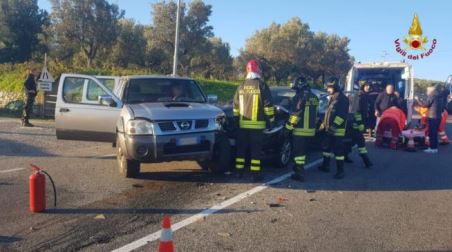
(303, 119)
(253, 104)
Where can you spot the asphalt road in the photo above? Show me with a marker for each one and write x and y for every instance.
(402, 204)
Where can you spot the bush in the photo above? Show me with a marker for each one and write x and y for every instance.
(224, 89)
(12, 77)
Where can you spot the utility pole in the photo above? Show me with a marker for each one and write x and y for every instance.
(176, 40)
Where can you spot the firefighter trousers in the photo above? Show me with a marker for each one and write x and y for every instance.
(358, 139)
(334, 147)
(249, 141)
(300, 148)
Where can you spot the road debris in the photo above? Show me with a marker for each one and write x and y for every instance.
(275, 205)
(224, 234)
(100, 217)
(281, 199)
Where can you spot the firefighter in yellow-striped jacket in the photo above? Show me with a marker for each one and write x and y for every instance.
(253, 112)
(302, 123)
(357, 115)
(334, 124)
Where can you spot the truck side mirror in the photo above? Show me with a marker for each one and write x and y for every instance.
(107, 100)
(212, 98)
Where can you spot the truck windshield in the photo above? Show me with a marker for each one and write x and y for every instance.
(163, 90)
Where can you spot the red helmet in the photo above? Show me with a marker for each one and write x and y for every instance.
(253, 66)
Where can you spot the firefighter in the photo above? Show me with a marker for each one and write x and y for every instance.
(302, 123)
(334, 124)
(358, 115)
(253, 112)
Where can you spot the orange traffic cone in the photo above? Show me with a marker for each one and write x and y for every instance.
(410, 145)
(166, 241)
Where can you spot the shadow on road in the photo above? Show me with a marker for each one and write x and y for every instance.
(136, 211)
(9, 239)
(15, 148)
(25, 133)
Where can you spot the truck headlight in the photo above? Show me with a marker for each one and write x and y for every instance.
(220, 120)
(139, 127)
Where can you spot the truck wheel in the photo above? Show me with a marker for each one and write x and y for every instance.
(285, 154)
(221, 159)
(127, 168)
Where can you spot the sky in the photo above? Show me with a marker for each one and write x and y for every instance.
(371, 26)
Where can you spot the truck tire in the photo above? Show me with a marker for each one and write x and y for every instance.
(127, 168)
(221, 159)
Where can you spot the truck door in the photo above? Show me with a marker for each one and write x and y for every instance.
(85, 110)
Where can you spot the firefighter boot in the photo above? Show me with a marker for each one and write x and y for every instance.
(366, 160)
(26, 123)
(325, 167)
(340, 169)
(298, 173)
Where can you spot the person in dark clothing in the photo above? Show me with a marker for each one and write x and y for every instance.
(355, 127)
(301, 124)
(253, 112)
(334, 124)
(435, 107)
(385, 100)
(30, 89)
(445, 92)
(365, 104)
(372, 119)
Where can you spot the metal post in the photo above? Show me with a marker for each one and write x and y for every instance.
(176, 40)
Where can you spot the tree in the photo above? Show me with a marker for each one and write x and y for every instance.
(21, 22)
(292, 48)
(284, 49)
(215, 62)
(130, 46)
(332, 57)
(196, 43)
(84, 27)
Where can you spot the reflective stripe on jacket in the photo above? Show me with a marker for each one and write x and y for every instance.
(304, 114)
(253, 104)
(336, 115)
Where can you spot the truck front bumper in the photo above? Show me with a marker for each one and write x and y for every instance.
(147, 149)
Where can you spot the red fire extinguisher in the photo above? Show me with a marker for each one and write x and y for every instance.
(37, 186)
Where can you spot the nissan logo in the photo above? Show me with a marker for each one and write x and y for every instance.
(185, 125)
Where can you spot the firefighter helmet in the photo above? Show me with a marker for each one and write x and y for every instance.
(253, 66)
(333, 82)
(299, 83)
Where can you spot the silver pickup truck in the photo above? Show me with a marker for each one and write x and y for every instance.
(147, 118)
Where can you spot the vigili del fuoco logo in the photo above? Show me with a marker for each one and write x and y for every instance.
(415, 43)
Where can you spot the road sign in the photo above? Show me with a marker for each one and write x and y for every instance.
(45, 80)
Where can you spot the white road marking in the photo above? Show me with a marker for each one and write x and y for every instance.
(194, 218)
(108, 155)
(12, 170)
